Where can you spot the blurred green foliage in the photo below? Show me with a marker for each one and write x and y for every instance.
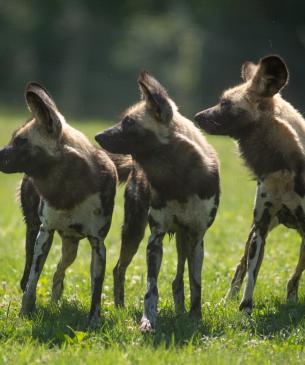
(88, 52)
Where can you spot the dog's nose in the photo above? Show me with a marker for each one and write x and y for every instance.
(198, 117)
(99, 138)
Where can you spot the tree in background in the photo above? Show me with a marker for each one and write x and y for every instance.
(88, 53)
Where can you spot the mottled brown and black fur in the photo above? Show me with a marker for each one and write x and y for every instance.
(71, 182)
(271, 137)
(181, 169)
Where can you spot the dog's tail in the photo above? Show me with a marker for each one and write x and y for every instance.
(123, 164)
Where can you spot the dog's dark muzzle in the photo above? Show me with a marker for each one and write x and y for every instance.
(206, 120)
(8, 160)
(199, 118)
(112, 140)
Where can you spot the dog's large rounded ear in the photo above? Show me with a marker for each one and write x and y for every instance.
(43, 107)
(271, 76)
(156, 97)
(248, 70)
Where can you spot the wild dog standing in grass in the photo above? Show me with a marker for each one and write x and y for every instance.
(136, 204)
(271, 137)
(182, 171)
(76, 184)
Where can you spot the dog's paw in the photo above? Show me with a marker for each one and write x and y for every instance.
(94, 322)
(146, 326)
(246, 306)
(57, 291)
(28, 305)
(292, 297)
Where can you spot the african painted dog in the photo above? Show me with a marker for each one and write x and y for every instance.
(271, 137)
(182, 171)
(136, 204)
(75, 183)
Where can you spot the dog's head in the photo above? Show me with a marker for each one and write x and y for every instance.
(36, 143)
(145, 124)
(241, 106)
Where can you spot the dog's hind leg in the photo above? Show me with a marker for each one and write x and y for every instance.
(264, 220)
(293, 283)
(29, 203)
(69, 253)
(135, 221)
(98, 267)
(178, 283)
(195, 257)
(154, 258)
(241, 269)
(132, 235)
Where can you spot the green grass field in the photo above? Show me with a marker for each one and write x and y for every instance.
(58, 334)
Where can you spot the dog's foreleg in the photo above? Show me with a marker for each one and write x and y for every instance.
(154, 258)
(97, 268)
(195, 262)
(41, 250)
(31, 235)
(29, 199)
(178, 283)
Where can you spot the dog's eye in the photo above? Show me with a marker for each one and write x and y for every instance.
(19, 141)
(225, 103)
(128, 122)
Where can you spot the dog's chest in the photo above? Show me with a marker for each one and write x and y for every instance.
(193, 215)
(85, 219)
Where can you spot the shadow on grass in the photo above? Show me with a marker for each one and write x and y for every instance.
(285, 318)
(280, 321)
(179, 330)
(65, 324)
(55, 324)
(175, 330)
(68, 324)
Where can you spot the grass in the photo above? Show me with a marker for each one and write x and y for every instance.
(58, 334)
